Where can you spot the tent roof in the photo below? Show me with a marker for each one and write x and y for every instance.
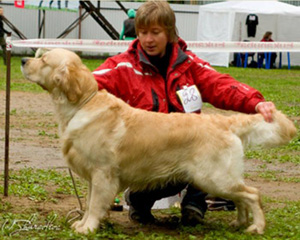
(262, 7)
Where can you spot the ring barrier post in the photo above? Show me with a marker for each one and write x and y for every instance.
(7, 114)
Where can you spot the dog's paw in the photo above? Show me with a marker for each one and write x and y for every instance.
(77, 224)
(90, 225)
(237, 223)
(85, 230)
(255, 229)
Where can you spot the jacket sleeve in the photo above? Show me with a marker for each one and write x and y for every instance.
(106, 75)
(113, 74)
(223, 91)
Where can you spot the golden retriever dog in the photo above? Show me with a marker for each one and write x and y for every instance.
(114, 146)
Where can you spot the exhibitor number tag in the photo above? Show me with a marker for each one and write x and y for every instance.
(190, 98)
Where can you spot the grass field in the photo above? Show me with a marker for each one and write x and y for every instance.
(42, 187)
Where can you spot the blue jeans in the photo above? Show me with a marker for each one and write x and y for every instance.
(144, 201)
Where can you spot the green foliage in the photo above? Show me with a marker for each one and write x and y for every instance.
(282, 216)
(33, 183)
(283, 223)
(44, 133)
(277, 177)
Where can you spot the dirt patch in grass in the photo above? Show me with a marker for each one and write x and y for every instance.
(34, 143)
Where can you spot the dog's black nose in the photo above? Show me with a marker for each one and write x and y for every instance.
(23, 61)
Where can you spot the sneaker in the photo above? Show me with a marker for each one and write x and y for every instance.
(143, 217)
(191, 216)
(140, 217)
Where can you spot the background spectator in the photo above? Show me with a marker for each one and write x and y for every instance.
(128, 30)
(267, 38)
(2, 39)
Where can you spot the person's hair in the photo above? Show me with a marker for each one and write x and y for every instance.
(157, 12)
(267, 34)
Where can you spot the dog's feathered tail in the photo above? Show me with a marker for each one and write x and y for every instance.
(254, 131)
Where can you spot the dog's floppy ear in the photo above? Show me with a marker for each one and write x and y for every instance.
(68, 83)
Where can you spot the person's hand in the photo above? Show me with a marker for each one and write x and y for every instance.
(266, 109)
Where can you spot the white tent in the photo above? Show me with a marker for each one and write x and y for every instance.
(226, 21)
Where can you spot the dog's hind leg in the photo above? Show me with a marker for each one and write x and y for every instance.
(248, 200)
(104, 187)
(254, 202)
(243, 217)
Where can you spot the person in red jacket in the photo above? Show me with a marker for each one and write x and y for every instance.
(158, 73)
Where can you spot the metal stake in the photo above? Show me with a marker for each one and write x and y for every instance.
(7, 114)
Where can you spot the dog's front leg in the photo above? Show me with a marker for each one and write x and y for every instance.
(103, 188)
(81, 222)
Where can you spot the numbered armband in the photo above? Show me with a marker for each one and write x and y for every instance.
(190, 98)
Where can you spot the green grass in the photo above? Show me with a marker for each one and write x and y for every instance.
(282, 217)
(31, 183)
(276, 176)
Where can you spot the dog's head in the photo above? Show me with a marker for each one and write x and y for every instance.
(60, 72)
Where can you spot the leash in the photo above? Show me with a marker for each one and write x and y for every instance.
(79, 211)
(87, 99)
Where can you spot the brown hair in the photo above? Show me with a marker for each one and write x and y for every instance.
(157, 12)
(267, 34)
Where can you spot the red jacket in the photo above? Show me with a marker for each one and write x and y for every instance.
(267, 40)
(131, 77)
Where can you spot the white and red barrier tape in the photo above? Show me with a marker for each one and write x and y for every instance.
(121, 46)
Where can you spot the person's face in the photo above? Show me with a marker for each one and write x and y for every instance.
(153, 40)
(1, 11)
